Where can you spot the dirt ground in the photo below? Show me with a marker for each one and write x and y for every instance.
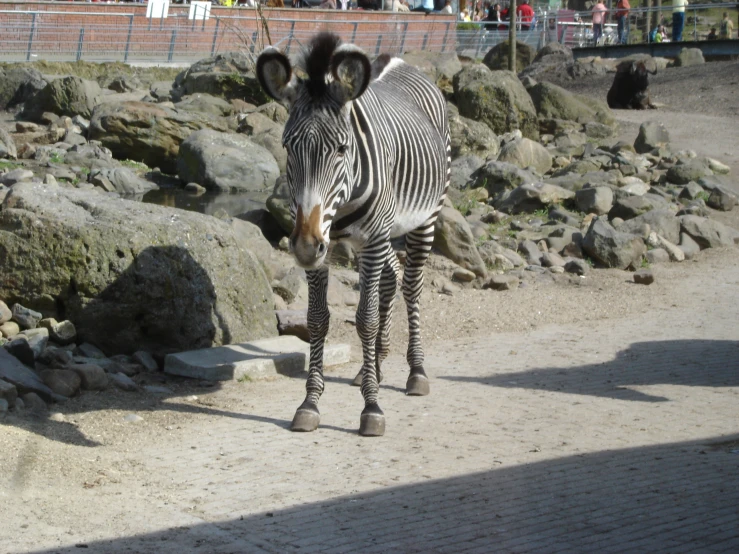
(49, 466)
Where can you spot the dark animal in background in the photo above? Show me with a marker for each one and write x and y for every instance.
(630, 88)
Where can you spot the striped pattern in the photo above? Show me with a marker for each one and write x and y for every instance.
(379, 167)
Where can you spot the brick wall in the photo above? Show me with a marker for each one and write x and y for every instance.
(98, 31)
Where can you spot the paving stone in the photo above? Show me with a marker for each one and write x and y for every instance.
(286, 355)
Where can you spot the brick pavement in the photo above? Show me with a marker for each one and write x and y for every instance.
(616, 436)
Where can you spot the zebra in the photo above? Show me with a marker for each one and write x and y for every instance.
(368, 159)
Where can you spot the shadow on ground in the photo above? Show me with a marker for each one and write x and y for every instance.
(666, 498)
(703, 363)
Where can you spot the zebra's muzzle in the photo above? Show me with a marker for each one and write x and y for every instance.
(306, 242)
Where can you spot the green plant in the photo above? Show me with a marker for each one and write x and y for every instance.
(56, 158)
(8, 165)
(245, 378)
(134, 165)
(645, 263)
(542, 213)
(703, 195)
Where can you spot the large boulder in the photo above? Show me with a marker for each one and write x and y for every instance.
(472, 137)
(439, 67)
(18, 84)
(226, 162)
(146, 132)
(205, 104)
(652, 135)
(689, 56)
(530, 198)
(708, 233)
(455, 240)
(612, 248)
(265, 132)
(527, 154)
(496, 98)
(553, 59)
(131, 276)
(228, 75)
(497, 177)
(691, 170)
(554, 102)
(497, 56)
(66, 96)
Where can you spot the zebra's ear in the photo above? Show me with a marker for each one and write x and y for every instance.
(275, 75)
(351, 70)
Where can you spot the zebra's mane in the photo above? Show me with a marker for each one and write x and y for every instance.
(315, 61)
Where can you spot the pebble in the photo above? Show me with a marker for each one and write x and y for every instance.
(58, 417)
(132, 418)
(191, 398)
(644, 277)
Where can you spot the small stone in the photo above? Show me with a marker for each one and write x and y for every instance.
(5, 313)
(123, 382)
(62, 381)
(463, 275)
(721, 200)
(644, 277)
(93, 376)
(577, 266)
(691, 191)
(284, 244)
(34, 403)
(89, 351)
(57, 417)
(54, 356)
(557, 269)
(25, 317)
(676, 255)
(191, 398)
(37, 340)
(49, 179)
(657, 256)
(132, 418)
(146, 360)
(717, 167)
(549, 259)
(501, 282)
(9, 329)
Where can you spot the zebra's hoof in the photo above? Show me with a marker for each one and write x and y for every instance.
(358, 379)
(372, 422)
(417, 384)
(306, 418)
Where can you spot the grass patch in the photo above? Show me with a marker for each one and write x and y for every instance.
(704, 195)
(134, 165)
(9, 165)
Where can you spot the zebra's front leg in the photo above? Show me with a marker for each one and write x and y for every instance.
(372, 261)
(307, 417)
(388, 290)
(418, 246)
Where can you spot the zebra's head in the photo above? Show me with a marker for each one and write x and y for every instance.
(321, 147)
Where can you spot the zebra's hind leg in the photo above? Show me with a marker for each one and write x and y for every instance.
(388, 290)
(307, 417)
(418, 246)
(372, 261)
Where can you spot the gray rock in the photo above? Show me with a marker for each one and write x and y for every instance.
(37, 340)
(497, 57)
(531, 252)
(64, 382)
(549, 259)
(33, 403)
(4, 407)
(470, 137)
(8, 149)
(530, 198)
(554, 102)
(123, 382)
(21, 349)
(663, 222)
(25, 380)
(293, 322)
(496, 98)
(612, 248)
(658, 256)
(684, 173)
(16, 176)
(8, 393)
(720, 199)
(293, 286)
(689, 56)
(644, 277)
(5, 313)
(90, 351)
(91, 156)
(265, 132)
(454, 239)
(93, 376)
(439, 67)
(501, 282)
(689, 247)
(146, 360)
(652, 135)
(66, 96)
(124, 83)
(597, 200)
(205, 104)
(18, 84)
(124, 180)
(55, 357)
(9, 329)
(691, 191)
(226, 162)
(497, 177)
(632, 206)
(526, 153)
(708, 233)
(462, 170)
(124, 271)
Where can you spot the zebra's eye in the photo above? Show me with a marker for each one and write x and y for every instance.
(342, 149)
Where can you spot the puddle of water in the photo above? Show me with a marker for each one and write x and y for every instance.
(208, 202)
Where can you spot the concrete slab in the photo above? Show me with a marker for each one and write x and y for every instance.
(285, 355)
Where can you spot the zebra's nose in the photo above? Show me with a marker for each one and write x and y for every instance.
(321, 249)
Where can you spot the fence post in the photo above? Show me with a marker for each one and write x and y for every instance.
(30, 37)
(79, 43)
(446, 36)
(402, 41)
(128, 38)
(354, 33)
(425, 41)
(171, 45)
(379, 43)
(695, 24)
(215, 37)
(290, 38)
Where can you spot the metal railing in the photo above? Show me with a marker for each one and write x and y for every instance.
(130, 37)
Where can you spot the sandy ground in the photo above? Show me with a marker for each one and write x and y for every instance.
(91, 475)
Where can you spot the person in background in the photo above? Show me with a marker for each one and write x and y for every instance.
(328, 5)
(400, 6)
(622, 18)
(494, 17)
(599, 18)
(447, 7)
(712, 35)
(727, 27)
(525, 15)
(427, 6)
(678, 19)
